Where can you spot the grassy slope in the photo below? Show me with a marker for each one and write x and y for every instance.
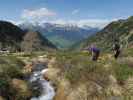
(78, 70)
(83, 60)
(13, 73)
(74, 75)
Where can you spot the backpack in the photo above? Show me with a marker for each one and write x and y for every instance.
(116, 46)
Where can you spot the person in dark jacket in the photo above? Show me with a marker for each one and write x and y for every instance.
(116, 49)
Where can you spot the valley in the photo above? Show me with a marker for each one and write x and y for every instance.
(62, 36)
(37, 67)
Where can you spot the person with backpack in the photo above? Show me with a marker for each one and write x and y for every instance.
(95, 52)
(116, 48)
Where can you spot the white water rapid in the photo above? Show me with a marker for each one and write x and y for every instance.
(47, 90)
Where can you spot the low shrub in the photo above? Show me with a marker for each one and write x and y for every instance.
(122, 72)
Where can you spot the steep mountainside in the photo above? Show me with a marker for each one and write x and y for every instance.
(63, 36)
(33, 41)
(121, 29)
(10, 36)
(13, 38)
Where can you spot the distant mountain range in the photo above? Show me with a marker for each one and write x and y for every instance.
(63, 36)
(46, 35)
(15, 39)
(121, 30)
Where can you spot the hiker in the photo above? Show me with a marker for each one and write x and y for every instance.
(94, 51)
(116, 48)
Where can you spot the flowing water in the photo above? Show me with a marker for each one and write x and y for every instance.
(47, 92)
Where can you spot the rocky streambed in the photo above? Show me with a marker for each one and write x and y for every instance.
(39, 83)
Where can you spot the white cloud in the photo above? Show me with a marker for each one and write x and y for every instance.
(37, 13)
(100, 23)
(43, 15)
(75, 11)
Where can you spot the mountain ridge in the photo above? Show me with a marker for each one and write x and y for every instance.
(11, 37)
(121, 30)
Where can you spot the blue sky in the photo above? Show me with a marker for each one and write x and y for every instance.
(65, 10)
